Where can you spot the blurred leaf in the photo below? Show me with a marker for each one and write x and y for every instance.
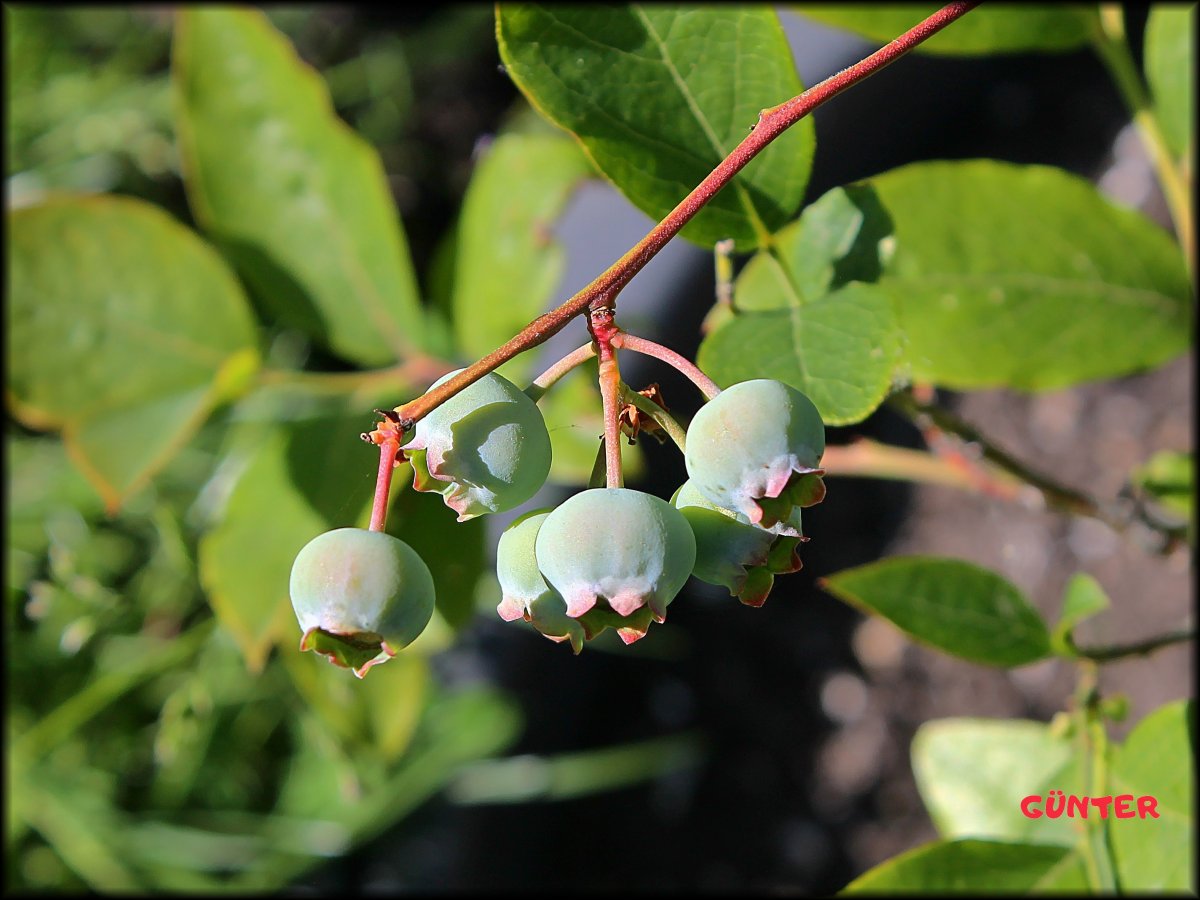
(1157, 760)
(1170, 479)
(1171, 71)
(840, 350)
(41, 479)
(80, 825)
(976, 867)
(124, 331)
(659, 95)
(508, 264)
(973, 774)
(1003, 28)
(949, 604)
(1084, 598)
(526, 778)
(293, 196)
(302, 479)
(1028, 278)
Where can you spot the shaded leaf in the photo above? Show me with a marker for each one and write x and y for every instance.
(507, 262)
(976, 867)
(1171, 71)
(1157, 760)
(125, 330)
(1027, 277)
(1003, 28)
(293, 196)
(659, 95)
(950, 604)
(973, 774)
(1084, 598)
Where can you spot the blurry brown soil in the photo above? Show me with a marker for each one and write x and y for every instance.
(1088, 438)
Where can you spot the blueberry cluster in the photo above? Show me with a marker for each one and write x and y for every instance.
(605, 558)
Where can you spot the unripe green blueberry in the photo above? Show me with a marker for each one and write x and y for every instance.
(733, 552)
(756, 448)
(486, 449)
(526, 595)
(628, 548)
(360, 596)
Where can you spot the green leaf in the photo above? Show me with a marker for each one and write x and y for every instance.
(1170, 479)
(125, 330)
(973, 774)
(507, 263)
(1026, 277)
(659, 95)
(1157, 760)
(1084, 598)
(1004, 28)
(301, 479)
(297, 199)
(807, 314)
(1171, 71)
(950, 604)
(976, 867)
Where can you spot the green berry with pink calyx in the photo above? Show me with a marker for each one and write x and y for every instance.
(360, 596)
(485, 449)
(756, 449)
(526, 595)
(733, 552)
(620, 549)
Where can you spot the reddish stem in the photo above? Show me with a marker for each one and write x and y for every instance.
(388, 439)
(707, 386)
(547, 379)
(605, 332)
(602, 292)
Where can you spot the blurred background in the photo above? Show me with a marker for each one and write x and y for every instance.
(736, 749)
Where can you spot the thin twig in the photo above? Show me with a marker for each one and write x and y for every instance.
(603, 290)
(1056, 495)
(706, 385)
(547, 379)
(1138, 648)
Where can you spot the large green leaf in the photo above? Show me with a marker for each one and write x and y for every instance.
(1157, 760)
(297, 199)
(976, 867)
(950, 604)
(659, 95)
(973, 774)
(1171, 71)
(807, 314)
(1000, 28)
(507, 263)
(1026, 277)
(124, 331)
